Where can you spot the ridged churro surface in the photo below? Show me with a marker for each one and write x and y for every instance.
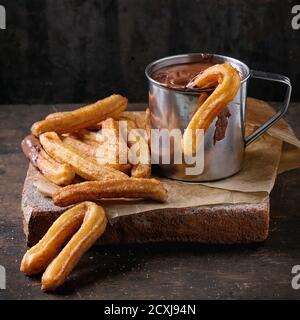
(68, 122)
(117, 188)
(84, 224)
(84, 166)
(227, 82)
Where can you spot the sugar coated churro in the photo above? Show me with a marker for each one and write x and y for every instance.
(84, 166)
(84, 224)
(227, 82)
(59, 173)
(113, 147)
(67, 122)
(142, 166)
(117, 188)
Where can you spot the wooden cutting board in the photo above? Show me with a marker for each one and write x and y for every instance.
(218, 224)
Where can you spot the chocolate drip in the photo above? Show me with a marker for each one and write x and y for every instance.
(179, 75)
(31, 148)
(221, 125)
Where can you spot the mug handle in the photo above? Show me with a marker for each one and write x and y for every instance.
(276, 78)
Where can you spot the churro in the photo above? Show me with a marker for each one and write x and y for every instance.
(67, 122)
(202, 97)
(84, 224)
(88, 137)
(59, 173)
(113, 151)
(227, 82)
(86, 167)
(148, 125)
(92, 149)
(142, 161)
(87, 149)
(136, 116)
(116, 188)
(56, 114)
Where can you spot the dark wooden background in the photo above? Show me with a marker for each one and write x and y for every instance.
(76, 51)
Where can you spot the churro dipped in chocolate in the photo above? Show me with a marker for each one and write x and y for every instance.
(59, 173)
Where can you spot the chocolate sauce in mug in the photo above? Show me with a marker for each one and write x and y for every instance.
(179, 75)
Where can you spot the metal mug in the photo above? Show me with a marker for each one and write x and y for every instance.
(221, 159)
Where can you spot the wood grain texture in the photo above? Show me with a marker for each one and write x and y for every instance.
(65, 56)
(151, 271)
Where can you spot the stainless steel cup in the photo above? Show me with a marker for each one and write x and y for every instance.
(171, 109)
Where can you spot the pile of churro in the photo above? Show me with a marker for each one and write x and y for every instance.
(84, 155)
(78, 153)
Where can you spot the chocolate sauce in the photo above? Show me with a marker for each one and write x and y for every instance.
(221, 125)
(31, 148)
(179, 75)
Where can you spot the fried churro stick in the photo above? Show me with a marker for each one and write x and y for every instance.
(148, 125)
(203, 96)
(117, 188)
(138, 117)
(142, 169)
(67, 122)
(88, 136)
(227, 80)
(98, 126)
(113, 146)
(87, 149)
(84, 166)
(56, 114)
(59, 173)
(85, 223)
(91, 150)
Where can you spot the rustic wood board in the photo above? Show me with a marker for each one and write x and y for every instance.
(225, 224)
